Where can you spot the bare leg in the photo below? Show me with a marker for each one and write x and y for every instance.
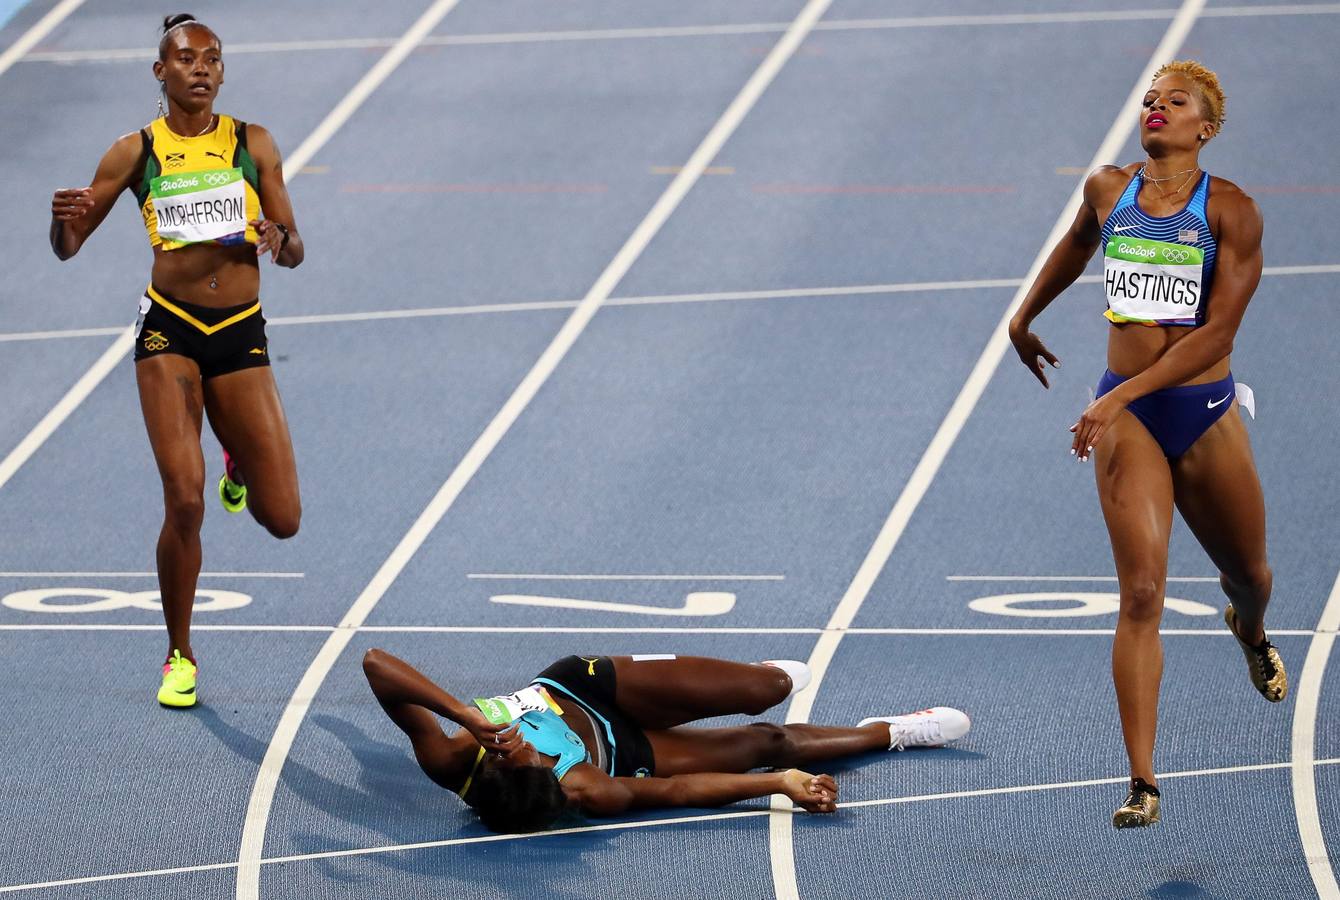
(1135, 489)
(171, 400)
(246, 414)
(681, 751)
(1219, 496)
(662, 693)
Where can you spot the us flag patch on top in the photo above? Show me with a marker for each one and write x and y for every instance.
(1188, 235)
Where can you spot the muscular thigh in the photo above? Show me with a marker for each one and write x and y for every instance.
(172, 401)
(1135, 491)
(1219, 495)
(246, 414)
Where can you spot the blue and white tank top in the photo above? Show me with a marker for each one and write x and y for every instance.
(1157, 270)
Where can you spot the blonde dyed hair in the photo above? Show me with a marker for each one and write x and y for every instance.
(1207, 85)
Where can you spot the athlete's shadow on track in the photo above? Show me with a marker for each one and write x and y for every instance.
(390, 802)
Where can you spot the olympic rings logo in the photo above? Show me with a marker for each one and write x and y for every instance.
(214, 179)
(1176, 254)
(43, 600)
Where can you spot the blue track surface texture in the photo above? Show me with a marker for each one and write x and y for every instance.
(738, 419)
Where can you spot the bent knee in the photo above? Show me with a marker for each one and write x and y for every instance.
(282, 523)
(771, 688)
(1142, 600)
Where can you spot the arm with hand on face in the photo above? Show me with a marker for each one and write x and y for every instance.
(411, 699)
(1064, 264)
(1237, 271)
(597, 794)
(77, 212)
(276, 232)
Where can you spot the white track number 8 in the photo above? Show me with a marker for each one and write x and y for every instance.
(43, 600)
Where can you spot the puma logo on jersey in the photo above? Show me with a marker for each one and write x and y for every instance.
(218, 156)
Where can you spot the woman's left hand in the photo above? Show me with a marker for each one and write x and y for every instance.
(812, 793)
(270, 238)
(1093, 423)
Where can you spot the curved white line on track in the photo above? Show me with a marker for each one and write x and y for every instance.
(262, 792)
(1306, 705)
(650, 823)
(267, 778)
(40, 29)
(780, 825)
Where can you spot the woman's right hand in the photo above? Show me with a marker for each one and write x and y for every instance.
(1032, 352)
(499, 739)
(812, 793)
(68, 204)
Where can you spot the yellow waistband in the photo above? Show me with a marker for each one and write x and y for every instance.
(465, 788)
(187, 317)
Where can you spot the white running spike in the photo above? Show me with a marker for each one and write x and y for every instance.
(932, 727)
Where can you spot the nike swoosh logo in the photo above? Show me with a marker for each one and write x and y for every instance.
(1210, 405)
(1124, 228)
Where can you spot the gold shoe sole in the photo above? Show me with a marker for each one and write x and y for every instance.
(1277, 688)
(1133, 819)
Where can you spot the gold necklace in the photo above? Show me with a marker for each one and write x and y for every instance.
(208, 125)
(1180, 188)
(1144, 174)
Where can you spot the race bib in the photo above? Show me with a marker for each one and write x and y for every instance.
(200, 207)
(1152, 281)
(510, 707)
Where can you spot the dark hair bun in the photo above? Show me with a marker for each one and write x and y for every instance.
(171, 22)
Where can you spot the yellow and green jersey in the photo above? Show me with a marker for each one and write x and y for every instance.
(198, 190)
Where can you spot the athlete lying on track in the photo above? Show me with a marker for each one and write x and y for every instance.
(602, 735)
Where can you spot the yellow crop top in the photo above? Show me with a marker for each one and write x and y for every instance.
(198, 190)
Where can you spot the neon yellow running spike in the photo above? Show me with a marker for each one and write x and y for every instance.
(232, 495)
(178, 688)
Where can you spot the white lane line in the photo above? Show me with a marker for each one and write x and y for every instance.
(262, 793)
(66, 405)
(780, 837)
(55, 335)
(1192, 579)
(520, 576)
(1303, 748)
(159, 627)
(652, 823)
(914, 287)
(258, 808)
(366, 85)
(582, 629)
(526, 37)
(33, 35)
(1064, 785)
(147, 575)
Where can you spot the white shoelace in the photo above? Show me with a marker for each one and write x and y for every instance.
(921, 730)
